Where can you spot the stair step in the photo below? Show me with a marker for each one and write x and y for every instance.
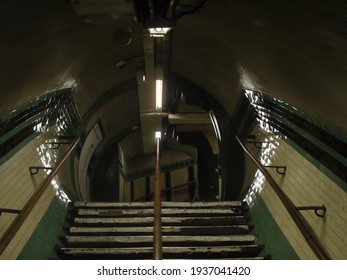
(168, 252)
(165, 212)
(233, 220)
(182, 230)
(164, 204)
(191, 230)
(124, 241)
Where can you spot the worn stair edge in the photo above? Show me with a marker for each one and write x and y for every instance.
(241, 250)
(164, 212)
(165, 221)
(119, 241)
(165, 204)
(214, 230)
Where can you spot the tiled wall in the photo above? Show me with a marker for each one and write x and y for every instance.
(305, 185)
(31, 147)
(46, 234)
(17, 186)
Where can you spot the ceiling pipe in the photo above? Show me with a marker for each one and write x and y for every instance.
(171, 9)
(151, 10)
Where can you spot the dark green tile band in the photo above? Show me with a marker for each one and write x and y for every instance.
(18, 147)
(339, 182)
(270, 234)
(312, 139)
(18, 128)
(41, 243)
(32, 103)
(326, 148)
(307, 117)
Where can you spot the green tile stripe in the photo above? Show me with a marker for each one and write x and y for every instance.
(339, 182)
(270, 234)
(18, 147)
(32, 103)
(316, 122)
(41, 243)
(27, 122)
(23, 125)
(308, 136)
(329, 150)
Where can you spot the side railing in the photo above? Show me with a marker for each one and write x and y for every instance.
(30, 204)
(292, 210)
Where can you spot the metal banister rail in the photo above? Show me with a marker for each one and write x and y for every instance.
(298, 220)
(19, 220)
(157, 236)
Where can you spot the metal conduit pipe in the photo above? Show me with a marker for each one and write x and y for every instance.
(157, 236)
(18, 222)
(298, 220)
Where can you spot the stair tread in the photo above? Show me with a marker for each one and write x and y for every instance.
(164, 204)
(146, 239)
(149, 212)
(166, 249)
(126, 221)
(165, 229)
(190, 230)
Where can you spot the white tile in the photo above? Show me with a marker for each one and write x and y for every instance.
(306, 185)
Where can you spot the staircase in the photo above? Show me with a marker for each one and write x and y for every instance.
(200, 230)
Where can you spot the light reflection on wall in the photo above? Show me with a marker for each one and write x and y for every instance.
(270, 144)
(246, 79)
(48, 158)
(268, 151)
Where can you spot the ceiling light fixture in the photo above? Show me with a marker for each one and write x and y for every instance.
(158, 135)
(158, 31)
(158, 94)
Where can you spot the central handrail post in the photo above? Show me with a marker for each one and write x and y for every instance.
(157, 238)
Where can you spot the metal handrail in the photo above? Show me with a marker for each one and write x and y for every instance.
(19, 220)
(157, 236)
(298, 220)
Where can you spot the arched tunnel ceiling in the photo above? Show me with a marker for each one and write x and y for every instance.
(293, 50)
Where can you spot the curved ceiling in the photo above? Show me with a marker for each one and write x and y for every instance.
(293, 50)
